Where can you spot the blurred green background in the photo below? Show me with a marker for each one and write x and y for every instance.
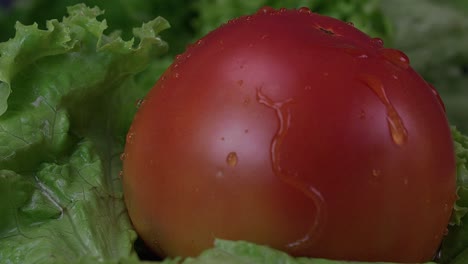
(433, 33)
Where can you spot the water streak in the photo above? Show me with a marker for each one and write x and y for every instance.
(283, 113)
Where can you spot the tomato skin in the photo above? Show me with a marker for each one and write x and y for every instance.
(294, 130)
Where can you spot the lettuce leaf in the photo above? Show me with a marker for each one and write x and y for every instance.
(240, 252)
(68, 97)
(455, 245)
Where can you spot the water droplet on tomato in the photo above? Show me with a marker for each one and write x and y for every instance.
(304, 10)
(266, 10)
(398, 130)
(282, 10)
(200, 42)
(246, 101)
(308, 87)
(219, 174)
(123, 156)
(446, 207)
(362, 115)
(405, 181)
(232, 159)
(355, 52)
(378, 42)
(437, 95)
(139, 103)
(283, 114)
(130, 137)
(121, 174)
(396, 57)
(376, 173)
(264, 36)
(178, 57)
(446, 232)
(350, 24)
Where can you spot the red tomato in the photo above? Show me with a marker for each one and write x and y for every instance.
(294, 130)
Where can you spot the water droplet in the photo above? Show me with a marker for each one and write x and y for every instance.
(355, 52)
(362, 115)
(396, 57)
(378, 42)
(130, 137)
(327, 31)
(446, 232)
(283, 114)
(231, 159)
(121, 174)
(219, 174)
(123, 156)
(176, 75)
(240, 82)
(199, 42)
(308, 87)
(376, 173)
(266, 10)
(282, 10)
(264, 36)
(398, 130)
(405, 181)
(178, 57)
(446, 207)
(437, 95)
(139, 103)
(304, 10)
(246, 101)
(350, 23)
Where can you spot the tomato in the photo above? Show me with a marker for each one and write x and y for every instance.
(294, 130)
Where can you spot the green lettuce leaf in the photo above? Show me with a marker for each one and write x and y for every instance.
(241, 252)
(455, 244)
(68, 99)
